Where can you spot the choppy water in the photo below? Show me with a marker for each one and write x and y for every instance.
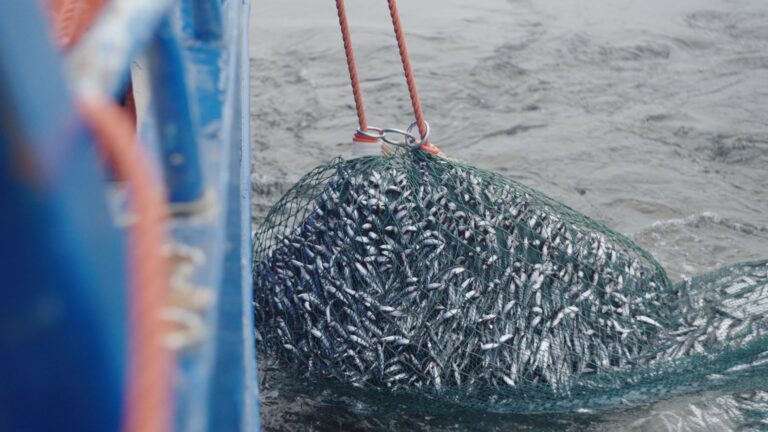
(647, 115)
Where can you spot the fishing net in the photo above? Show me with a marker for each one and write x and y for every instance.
(418, 274)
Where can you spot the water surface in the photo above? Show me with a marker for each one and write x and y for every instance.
(648, 115)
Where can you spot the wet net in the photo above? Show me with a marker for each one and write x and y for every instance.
(418, 274)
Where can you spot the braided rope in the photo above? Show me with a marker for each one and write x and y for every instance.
(407, 69)
(353, 76)
(409, 77)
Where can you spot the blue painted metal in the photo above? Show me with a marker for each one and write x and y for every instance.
(235, 362)
(61, 255)
(62, 314)
(217, 380)
(178, 136)
(204, 21)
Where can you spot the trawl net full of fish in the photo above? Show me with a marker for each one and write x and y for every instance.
(413, 273)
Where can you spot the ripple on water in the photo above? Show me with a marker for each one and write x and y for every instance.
(702, 242)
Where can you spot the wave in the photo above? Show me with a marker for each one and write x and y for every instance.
(706, 218)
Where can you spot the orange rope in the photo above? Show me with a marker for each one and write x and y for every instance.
(149, 397)
(353, 77)
(409, 78)
(66, 18)
(148, 400)
(72, 17)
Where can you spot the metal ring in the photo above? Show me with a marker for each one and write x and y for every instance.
(403, 143)
(378, 135)
(413, 144)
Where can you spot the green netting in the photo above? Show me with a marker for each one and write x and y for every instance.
(418, 274)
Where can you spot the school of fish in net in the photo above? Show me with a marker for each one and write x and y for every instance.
(418, 274)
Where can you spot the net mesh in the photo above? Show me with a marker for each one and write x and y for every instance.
(414, 273)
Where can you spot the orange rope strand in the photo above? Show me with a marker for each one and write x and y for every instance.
(148, 402)
(66, 21)
(71, 18)
(409, 78)
(353, 77)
